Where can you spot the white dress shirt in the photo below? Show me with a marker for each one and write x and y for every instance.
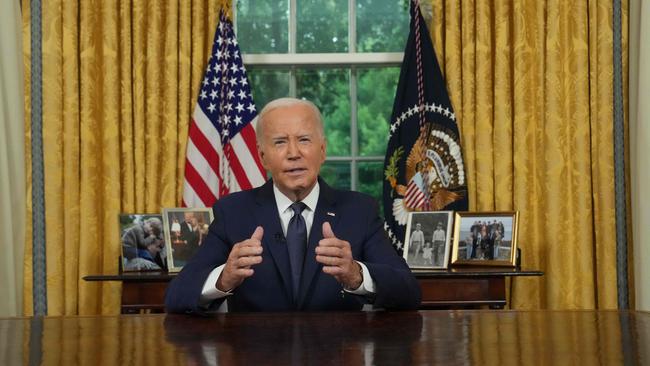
(210, 291)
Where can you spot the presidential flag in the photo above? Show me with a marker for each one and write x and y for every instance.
(221, 148)
(424, 168)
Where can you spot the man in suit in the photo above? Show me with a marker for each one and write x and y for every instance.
(249, 256)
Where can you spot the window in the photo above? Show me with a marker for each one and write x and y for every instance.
(344, 55)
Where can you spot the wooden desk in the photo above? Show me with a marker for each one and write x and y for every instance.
(465, 287)
(476, 337)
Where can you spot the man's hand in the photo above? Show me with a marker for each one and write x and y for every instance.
(336, 256)
(242, 256)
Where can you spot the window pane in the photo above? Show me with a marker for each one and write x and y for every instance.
(336, 174)
(371, 180)
(382, 25)
(263, 26)
(268, 85)
(329, 89)
(375, 95)
(322, 26)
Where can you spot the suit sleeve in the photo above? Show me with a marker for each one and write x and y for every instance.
(184, 292)
(395, 286)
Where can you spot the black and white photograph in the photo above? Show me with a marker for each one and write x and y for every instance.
(428, 239)
(143, 244)
(185, 230)
(485, 238)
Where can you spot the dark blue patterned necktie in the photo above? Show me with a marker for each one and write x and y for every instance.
(297, 244)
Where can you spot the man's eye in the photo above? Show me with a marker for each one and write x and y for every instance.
(280, 142)
(304, 140)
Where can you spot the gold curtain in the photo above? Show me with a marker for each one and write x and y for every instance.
(119, 82)
(532, 84)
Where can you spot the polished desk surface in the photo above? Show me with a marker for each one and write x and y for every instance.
(478, 337)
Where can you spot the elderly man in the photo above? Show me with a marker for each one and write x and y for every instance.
(294, 243)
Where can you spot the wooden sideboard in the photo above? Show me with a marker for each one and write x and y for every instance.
(454, 288)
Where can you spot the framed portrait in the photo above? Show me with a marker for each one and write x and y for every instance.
(485, 238)
(143, 243)
(185, 230)
(428, 239)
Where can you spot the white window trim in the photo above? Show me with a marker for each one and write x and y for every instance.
(346, 59)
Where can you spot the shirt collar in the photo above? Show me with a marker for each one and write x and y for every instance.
(283, 202)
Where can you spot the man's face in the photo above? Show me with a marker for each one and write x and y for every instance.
(189, 216)
(292, 149)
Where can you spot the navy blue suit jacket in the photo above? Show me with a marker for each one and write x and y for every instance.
(353, 217)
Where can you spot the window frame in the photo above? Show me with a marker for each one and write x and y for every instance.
(351, 60)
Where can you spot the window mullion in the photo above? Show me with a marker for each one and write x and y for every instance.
(293, 19)
(354, 149)
(352, 26)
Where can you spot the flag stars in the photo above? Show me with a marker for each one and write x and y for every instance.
(243, 81)
(212, 107)
(242, 94)
(233, 81)
(234, 68)
(231, 94)
(238, 120)
(203, 94)
(251, 107)
(215, 81)
(239, 107)
(213, 94)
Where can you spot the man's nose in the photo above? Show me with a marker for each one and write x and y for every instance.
(293, 151)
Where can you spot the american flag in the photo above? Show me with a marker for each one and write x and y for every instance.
(221, 148)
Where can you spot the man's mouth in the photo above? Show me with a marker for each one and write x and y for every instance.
(295, 171)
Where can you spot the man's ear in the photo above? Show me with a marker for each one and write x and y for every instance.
(260, 153)
(323, 149)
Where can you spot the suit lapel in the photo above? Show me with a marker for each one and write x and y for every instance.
(273, 240)
(325, 211)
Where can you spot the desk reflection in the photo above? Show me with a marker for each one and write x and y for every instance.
(376, 338)
(297, 339)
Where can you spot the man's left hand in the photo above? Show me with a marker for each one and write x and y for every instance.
(336, 256)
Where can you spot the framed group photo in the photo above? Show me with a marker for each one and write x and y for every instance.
(428, 239)
(485, 238)
(142, 242)
(185, 230)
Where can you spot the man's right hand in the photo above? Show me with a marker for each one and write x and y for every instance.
(242, 256)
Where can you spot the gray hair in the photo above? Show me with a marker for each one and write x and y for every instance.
(287, 102)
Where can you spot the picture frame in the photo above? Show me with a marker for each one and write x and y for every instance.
(428, 239)
(500, 246)
(185, 229)
(142, 242)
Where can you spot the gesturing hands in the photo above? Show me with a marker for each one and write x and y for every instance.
(242, 256)
(336, 256)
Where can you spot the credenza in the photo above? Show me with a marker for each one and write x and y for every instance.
(455, 288)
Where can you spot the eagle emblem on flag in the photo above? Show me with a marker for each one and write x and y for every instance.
(434, 174)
